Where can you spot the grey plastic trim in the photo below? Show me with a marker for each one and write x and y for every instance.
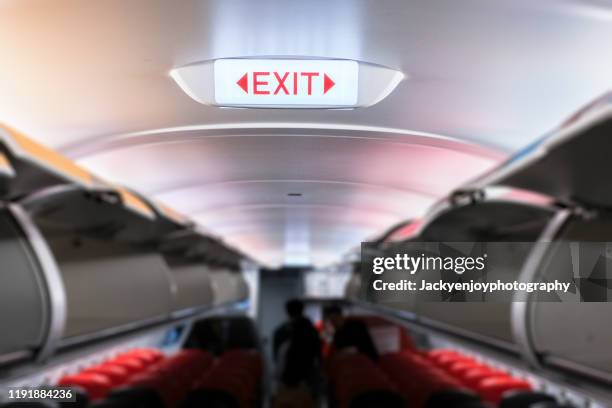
(48, 192)
(15, 356)
(113, 331)
(193, 311)
(446, 206)
(56, 293)
(521, 310)
(467, 334)
(579, 369)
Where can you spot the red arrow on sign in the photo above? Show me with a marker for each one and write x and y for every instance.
(328, 83)
(244, 83)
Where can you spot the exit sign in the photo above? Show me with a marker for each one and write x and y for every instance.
(286, 83)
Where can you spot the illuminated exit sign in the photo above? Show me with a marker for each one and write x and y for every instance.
(286, 83)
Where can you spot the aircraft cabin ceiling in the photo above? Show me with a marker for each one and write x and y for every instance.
(483, 79)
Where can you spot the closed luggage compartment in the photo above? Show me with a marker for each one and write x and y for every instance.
(24, 310)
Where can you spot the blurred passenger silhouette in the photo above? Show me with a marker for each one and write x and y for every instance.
(297, 351)
(349, 334)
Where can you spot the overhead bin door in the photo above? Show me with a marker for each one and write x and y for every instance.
(192, 284)
(108, 284)
(572, 165)
(228, 286)
(569, 331)
(23, 304)
(489, 221)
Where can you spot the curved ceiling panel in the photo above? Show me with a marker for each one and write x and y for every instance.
(95, 146)
(210, 198)
(292, 189)
(163, 167)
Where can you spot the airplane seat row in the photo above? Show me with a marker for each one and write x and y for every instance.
(233, 381)
(426, 378)
(356, 380)
(185, 379)
(422, 384)
(141, 378)
(99, 380)
(492, 385)
(165, 384)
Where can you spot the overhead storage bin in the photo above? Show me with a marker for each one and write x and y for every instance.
(103, 243)
(105, 213)
(69, 195)
(205, 271)
(24, 304)
(228, 286)
(106, 250)
(192, 243)
(584, 339)
(572, 165)
(484, 221)
(191, 284)
(567, 175)
(109, 246)
(109, 285)
(31, 286)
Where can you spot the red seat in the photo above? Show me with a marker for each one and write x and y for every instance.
(131, 364)
(459, 368)
(473, 377)
(354, 374)
(447, 361)
(435, 355)
(493, 389)
(441, 352)
(236, 372)
(158, 383)
(417, 377)
(116, 374)
(229, 384)
(97, 386)
(147, 356)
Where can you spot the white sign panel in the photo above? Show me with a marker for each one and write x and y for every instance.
(286, 83)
